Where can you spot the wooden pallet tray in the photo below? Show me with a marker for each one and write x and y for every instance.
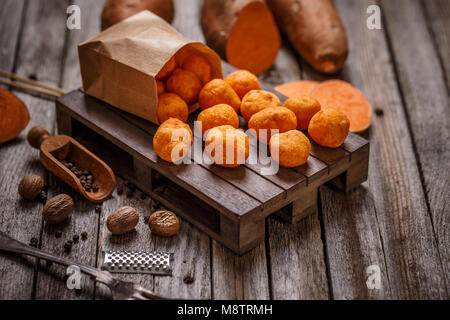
(229, 204)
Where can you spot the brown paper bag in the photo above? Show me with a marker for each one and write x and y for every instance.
(119, 64)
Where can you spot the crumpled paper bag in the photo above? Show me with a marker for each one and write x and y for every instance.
(119, 64)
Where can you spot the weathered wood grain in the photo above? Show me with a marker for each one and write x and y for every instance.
(192, 270)
(239, 277)
(405, 239)
(426, 99)
(297, 262)
(438, 13)
(297, 272)
(50, 285)
(41, 56)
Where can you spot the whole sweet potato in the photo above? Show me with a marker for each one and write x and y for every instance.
(315, 30)
(115, 11)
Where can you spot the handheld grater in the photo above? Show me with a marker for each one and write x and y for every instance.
(152, 262)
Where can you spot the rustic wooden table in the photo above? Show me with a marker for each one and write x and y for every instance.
(398, 220)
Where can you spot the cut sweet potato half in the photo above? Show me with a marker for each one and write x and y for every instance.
(342, 96)
(297, 88)
(14, 116)
(243, 32)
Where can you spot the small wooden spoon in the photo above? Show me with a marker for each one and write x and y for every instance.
(54, 149)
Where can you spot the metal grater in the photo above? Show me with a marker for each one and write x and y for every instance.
(152, 262)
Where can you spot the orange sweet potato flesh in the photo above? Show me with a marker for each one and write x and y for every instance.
(297, 88)
(115, 11)
(14, 116)
(342, 96)
(243, 32)
(316, 31)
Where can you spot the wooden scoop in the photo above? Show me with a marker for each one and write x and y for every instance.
(54, 149)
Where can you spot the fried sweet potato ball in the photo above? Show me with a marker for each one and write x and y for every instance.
(185, 84)
(329, 128)
(198, 65)
(218, 91)
(219, 115)
(271, 118)
(172, 140)
(256, 100)
(227, 146)
(242, 82)
(290, 149)
(304, 108)
(167, 69)
(172, 106)
(160, 87)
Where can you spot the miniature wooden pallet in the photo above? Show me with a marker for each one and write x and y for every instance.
(229, 204)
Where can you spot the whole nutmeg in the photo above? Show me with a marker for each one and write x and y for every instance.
(122, 220)
(164, 223)
(36, 136)
(57, 208)
(31, 186)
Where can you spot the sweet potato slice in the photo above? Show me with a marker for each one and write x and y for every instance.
(242, 31)
(342, 96)
(297, 88)
(14, 116)
(115, 11)
(316, 31)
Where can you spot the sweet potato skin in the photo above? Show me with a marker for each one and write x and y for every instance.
(316, 31)
(115, 11)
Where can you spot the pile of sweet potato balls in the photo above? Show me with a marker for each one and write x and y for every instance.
(221, 100)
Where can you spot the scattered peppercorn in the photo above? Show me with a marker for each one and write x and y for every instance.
(379, 112)
(146, 220)
(188, 279)
(84, 235)
(75, 238)
(84, 176)
(34, 242)
(67, 247)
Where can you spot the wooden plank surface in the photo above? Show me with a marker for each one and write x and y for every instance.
(51, 285)
(386, 222)
(427, 103)
(251, 267)
(404, 248)
(22, 219)
(438, 12)
(296, 255)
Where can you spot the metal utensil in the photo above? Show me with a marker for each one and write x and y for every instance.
(121, 290)
(124, 261)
